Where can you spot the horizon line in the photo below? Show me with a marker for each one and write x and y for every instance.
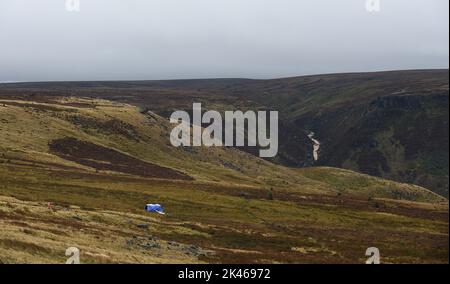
(225, 78)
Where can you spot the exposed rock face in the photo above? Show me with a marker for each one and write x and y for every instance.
(404, 138)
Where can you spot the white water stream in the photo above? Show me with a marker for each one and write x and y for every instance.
(316, 146)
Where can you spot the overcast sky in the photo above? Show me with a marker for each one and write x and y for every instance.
(166, 39)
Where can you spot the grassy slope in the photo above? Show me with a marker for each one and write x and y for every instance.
(239, 207)
(389, 124)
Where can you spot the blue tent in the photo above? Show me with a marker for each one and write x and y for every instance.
(154, 208)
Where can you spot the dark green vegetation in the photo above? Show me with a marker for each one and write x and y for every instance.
(100, 161)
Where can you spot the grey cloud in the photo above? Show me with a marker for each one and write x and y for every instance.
(164, 39)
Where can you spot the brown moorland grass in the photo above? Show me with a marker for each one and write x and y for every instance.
(252, 211)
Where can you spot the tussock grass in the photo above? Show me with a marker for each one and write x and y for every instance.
(225, 214)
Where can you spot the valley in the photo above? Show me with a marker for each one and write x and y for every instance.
(392, 124)
(99, 161)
